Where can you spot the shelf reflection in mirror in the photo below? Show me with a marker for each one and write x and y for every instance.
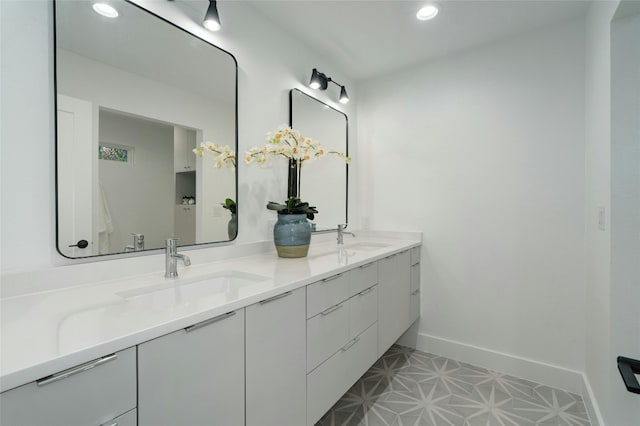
(135, 95)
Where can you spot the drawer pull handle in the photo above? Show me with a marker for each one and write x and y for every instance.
(350, 344)
(368, 265)
(392, 256)
(363, 292)
(415, 292)
(73, 371)
(112, 424)
(332, 309)
(335, 277)
(209, 321)
(271, 299)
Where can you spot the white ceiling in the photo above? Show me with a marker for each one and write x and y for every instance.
(367, 38)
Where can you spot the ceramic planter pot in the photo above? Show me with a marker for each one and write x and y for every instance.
(292, 235)
(232, 226)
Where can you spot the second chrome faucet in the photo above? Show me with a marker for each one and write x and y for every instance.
(171, 258)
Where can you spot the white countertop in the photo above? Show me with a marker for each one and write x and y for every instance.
(48, 331)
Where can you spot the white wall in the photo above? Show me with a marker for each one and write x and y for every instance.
(484, 152)
(598, 194)
(270, 63)
(148, 177)
(625, 206)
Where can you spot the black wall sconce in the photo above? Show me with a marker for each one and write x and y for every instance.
(211, 18)
(321, 81)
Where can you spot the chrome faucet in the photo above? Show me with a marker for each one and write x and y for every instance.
(341, 232)
(138, 243)
(171, 258)
(340, 229)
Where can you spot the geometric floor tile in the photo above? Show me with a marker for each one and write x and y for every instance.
(408, 387)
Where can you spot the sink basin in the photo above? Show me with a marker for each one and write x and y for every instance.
(225, 285)
(366, 246)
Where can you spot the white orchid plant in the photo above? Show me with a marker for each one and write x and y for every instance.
(290, 144)
(224, 155)
(297, 149)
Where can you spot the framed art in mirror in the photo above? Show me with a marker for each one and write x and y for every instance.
(135, 95)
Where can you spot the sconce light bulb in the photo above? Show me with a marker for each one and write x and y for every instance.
(343, 96)
(211, 18)
(211, 25)
(318, 80)
(105, 10)
(428, 12)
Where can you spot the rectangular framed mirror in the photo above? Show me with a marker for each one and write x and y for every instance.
(324, 184)
(135, 94)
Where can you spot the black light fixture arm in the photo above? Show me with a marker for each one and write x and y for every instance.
(321, 81)
(334, 82)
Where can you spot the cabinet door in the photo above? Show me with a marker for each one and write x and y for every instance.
(394, 281)
(276, 355)
(89, 394)
(184, 141)
(194, 376)
(185, 224)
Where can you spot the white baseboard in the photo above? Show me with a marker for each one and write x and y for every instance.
(591, 403)
(528, 369)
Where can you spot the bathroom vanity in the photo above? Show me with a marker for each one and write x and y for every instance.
(254, 340)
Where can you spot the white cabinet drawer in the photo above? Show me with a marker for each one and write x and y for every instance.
(327, 332)
(327, 383)
(361, 356)
(327, 293)
(363, 310)
(362, 278)
(127, 419)
(90, 394)
(415, 278)
(415, 255)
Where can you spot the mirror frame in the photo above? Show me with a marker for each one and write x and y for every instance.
(55, 130)
(346, 140)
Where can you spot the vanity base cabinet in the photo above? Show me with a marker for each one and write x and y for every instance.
(275, 364)
(194, 376)
(93, 393)
(394, 284)
(342, 336)
(329, 381)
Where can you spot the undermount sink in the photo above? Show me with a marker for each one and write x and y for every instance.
(224, 285)
(364, 245)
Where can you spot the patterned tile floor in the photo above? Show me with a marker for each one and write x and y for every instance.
(408, 387)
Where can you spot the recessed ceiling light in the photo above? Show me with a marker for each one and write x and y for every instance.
(105, 10)
(428, 12)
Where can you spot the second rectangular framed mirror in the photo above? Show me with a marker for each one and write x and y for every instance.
(324, 184)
